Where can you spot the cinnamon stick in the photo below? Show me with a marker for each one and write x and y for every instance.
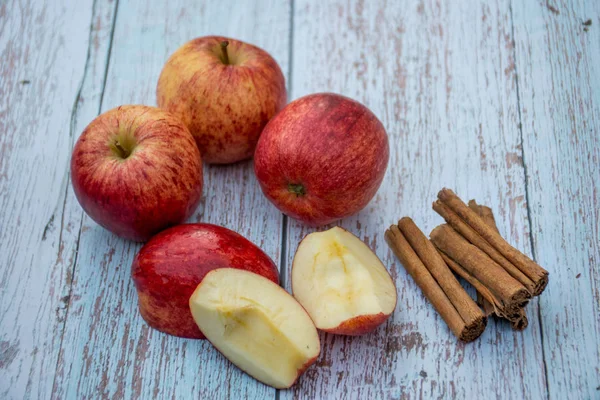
(518, 321)
(490, 303)
(485, 213)
(487, 307)
(437, 282)
(430, 257)
(495, 303)
(510, 293)
(487, 216)
(472, 236)
(532, 270)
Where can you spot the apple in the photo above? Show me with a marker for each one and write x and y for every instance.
(136, 170)
(341, 283)
(255, 324)
(168, 268)
(225, 91)
(322, 158)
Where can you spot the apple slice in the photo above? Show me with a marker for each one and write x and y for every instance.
(256, 324)
(341, 283)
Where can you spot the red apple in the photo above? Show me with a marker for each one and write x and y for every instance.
(322, 158)
(136, 171)
(225, 91)
(167, 270)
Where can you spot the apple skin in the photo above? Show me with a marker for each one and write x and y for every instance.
(167, 270)
(303, 369)
(359, 325)
(322, 158)
(225, 106)
(158, 185)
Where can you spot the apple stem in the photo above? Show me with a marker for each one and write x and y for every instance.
(224, 45)
(297, 189)
(122, 151)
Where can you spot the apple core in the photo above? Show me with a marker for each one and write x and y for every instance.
(341, 283)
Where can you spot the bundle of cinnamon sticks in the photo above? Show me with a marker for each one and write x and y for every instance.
(469, 245)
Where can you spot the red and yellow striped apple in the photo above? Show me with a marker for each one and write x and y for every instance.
(136, 171)
(322, 158)
(225, 91)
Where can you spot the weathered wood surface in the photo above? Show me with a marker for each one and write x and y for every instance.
(43, 49)
(111, 352)
(514, 126)
(558, 66)
(441, 77)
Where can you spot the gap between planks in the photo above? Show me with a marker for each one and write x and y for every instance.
(526, 186)
(73, 136)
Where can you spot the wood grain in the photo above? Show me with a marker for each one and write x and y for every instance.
(558, 66)
(441, 78)
(44, 48)
(108, 349)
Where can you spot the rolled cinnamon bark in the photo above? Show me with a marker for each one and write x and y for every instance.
(441, 288)
(510, 292)
(485, 213)
(486, 306)
(537, 274)
(496, 305)
(519, 321)
(472, 236)
(430, 257)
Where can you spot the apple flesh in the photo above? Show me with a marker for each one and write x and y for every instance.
(136, 170)
(255, 324)
(341, 283)
(167, 270)
(225, 91)
(322, 158)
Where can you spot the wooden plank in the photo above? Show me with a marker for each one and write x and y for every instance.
(441, 78)
(108, 350)
(558, 66)
(47, 80)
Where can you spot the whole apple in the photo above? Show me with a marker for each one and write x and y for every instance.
(322, 158)
(136, 171)
(225, 91)
(167, 270)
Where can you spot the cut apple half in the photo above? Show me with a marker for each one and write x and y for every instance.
(341, 283)
(255, 324)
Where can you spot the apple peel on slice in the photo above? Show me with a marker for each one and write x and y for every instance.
(341, 283)
(255, 324)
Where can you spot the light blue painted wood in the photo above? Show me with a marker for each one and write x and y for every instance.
(440, 75)
(109, 350)
(558, 64)
(43, 50)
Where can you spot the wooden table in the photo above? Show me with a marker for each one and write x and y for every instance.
(496, 99)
